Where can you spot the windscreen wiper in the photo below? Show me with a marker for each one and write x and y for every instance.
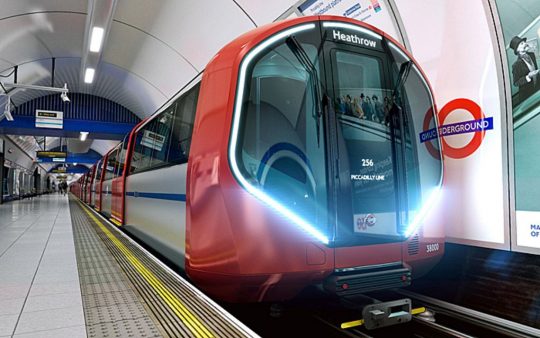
(402, 76)
(300, 53)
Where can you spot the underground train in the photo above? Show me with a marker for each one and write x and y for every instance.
(296, 158)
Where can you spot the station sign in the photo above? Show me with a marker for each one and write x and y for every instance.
(49, 119)
(51, 154)
(59, 170)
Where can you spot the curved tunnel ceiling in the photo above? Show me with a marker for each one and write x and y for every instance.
(152, 49)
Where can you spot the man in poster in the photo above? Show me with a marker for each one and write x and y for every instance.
(524, 70)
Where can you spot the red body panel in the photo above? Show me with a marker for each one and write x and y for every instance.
(368, 255)
(117, 198)
(119, 183)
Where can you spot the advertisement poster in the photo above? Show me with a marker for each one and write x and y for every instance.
(356, 9)
(520, 22)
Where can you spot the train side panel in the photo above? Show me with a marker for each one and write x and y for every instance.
(156, 209)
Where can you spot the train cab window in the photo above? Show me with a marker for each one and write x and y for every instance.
(365, 144)
(420, 144)
(281, 146)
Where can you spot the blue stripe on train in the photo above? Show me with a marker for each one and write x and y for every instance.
(159, 196)
(283, 146)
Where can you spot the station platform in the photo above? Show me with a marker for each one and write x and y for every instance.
(66, 272)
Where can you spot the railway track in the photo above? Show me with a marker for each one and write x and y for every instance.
(440, 320)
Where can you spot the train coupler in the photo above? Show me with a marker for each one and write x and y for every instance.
(385, 314)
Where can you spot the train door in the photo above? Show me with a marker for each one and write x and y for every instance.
(383, 178)
(99, 184)
(362, 142)
(109, 174)
(90, 185)
(118, 185)
(82, 180)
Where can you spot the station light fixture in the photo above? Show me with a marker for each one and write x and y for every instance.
(63, 91)
(7, 111)
(64, 96)
(96, 39)
(89, 75)
(84, 135)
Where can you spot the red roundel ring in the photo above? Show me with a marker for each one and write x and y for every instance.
(476, 141)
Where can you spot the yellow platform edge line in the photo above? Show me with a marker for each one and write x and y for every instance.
(188, 318)
(115, 221)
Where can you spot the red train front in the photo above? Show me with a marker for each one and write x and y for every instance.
(314, 159)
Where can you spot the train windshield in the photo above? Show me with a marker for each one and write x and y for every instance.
(330, 131)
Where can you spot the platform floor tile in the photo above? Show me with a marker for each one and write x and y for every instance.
(40, 295)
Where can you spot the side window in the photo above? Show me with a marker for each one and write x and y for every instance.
(98, 173)
(166, 139)
(162, 136)
(142, 151)
(122, 157)
(184, 117)
(111, 163)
